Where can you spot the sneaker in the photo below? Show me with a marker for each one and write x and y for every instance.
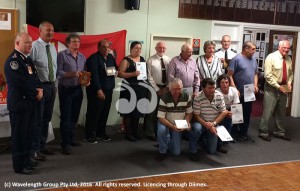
(194, 156)
(160, 156)
(104, 138)
(90, 141)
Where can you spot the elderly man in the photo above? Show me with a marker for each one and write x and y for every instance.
(157, 76)
(99, 92)
(243, 71)
(209, 111)
(44, 58)
(174, 105)
(185, 68)
(23, 93)
(279, 76)
(225, 53)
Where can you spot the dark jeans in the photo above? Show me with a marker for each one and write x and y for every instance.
(43, 117)
(97, 114)
(70, 99)
(247, 109)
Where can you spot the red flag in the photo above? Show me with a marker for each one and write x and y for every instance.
(88, 43)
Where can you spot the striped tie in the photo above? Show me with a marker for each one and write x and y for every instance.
(50, 64)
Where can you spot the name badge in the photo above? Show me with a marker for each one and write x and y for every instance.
(29, 69)
(110, 71)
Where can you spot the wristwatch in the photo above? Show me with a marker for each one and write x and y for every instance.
(215, 123)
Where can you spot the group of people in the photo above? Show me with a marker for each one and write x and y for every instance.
(32, 68)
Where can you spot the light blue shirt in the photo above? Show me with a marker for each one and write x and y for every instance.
(40, 59)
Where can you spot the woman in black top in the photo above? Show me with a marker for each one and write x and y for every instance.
(131, 104)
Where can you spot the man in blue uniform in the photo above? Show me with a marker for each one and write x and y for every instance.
(23, 94)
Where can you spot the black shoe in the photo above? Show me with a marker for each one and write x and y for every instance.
(130, 138)
(104, 138)
(47, 152)
(284, 137)
(160, 156)
(26, 171)
(75, 144)
(66, 151)
(39, 157)
(233, 141)
(137, 137)
(222, 150)
(265, 137)
(34, 163)
(194, 156)
(151, 138)
(90, 141)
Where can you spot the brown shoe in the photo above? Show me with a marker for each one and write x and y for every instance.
(284, 137)
(265, 137)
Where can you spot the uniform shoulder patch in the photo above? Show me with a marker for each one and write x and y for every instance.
(14, 65)
(217, 50)
(233, 50)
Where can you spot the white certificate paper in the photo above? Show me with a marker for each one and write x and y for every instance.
(142, 68)
(249, 93)
(237, 114)
(181, 124)
(223, 133)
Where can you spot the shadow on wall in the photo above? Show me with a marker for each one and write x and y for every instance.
(118, 6)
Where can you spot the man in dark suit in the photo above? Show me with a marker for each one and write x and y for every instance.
(102, 66)
(23, 94)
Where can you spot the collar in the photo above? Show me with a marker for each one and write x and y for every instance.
(43, 42)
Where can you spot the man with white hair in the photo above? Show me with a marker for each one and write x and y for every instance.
(185, 68)
(279, 76)
(157, 77)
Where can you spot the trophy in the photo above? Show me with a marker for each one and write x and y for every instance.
(85, 78)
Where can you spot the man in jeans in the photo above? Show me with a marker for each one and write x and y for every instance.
(174, 105)
(209, 110)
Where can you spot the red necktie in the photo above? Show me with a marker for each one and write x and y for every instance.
(283, 81)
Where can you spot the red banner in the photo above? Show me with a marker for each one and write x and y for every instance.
(88, 43)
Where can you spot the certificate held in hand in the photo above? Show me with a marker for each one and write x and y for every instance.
(85, 78)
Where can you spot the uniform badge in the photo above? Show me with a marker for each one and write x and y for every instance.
(14, 65)
(29, 69)
(14, 56)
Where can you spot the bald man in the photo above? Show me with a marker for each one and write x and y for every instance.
(157, 75)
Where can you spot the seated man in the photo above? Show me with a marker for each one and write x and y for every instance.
(174, 104)
(231, 96)
(209, 111)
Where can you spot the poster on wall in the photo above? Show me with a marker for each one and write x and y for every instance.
(5, 21)
(196, 46)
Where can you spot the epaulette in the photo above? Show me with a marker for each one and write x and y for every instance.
(217, 50)
(233, 50)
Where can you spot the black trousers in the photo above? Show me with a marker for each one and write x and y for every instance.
(97, 114)
(21, 133)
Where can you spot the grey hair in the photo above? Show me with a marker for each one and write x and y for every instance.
(207, 43)
(185, 47)
(175, 81)
(248, 44)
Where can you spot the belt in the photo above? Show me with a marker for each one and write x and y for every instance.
(47, 83)
(69, 87)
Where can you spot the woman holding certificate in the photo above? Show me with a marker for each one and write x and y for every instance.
(132, 102)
